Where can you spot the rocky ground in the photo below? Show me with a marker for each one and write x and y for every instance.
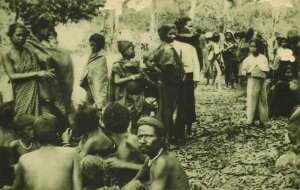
(224, 154)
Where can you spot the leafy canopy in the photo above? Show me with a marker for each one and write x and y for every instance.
(62, 11)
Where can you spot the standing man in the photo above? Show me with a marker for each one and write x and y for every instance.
(186, 113)
(49, 167)
(95, 76)
(166, 171)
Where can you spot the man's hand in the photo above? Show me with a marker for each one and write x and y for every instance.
(67, 135)
(115, 163)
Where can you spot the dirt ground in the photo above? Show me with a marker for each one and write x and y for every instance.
(224, 154)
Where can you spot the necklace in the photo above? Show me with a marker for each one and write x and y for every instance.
(22, 144)
(152, 160)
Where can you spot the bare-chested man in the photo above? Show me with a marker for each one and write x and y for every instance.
(50, 167)
(165, 170)
(106, 150)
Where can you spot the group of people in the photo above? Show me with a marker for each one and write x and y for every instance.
(119, 135)
(244, 59)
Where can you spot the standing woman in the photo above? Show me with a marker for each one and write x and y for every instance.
(256, 67)
(126, 83)
(22, 67)
(229, 57)
(215, 55)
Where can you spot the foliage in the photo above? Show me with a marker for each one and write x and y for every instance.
(224, 154)
(62, 11)
(5, 18)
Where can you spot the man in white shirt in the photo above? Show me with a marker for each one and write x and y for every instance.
(186, 108)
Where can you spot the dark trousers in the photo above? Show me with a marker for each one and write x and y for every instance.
(186, 113)
(172, 103)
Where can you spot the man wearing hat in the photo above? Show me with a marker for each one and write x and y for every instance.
(166, 171)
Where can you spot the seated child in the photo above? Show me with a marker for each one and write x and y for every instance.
(24, 128)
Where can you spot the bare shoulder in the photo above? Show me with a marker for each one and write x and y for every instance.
(169, 162)
(163, 162)
(67, 150)
(28, 157)
(171, 157)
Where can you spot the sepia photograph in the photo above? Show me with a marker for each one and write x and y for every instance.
(149, 94)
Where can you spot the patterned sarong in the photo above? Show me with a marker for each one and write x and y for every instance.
(27, 91)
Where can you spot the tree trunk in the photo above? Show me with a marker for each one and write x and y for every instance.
(153, 21)
(192, 10)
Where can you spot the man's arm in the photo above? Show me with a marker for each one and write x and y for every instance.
(76, 172)
(19, 179)
(196, 65)
(159, 175)
(85, 149)
(95, 144)
(117, 163)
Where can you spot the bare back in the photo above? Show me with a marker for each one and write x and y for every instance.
(49, 168)
(166, 173)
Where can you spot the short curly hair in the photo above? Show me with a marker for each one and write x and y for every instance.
(98, 39)
(163, 32)
(181, 22)
(21, 121)
(86, 118)
(13, 27)
(45, 129)
(116, 118)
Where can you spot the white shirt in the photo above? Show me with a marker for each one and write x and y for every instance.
(255, 65)
(189, 58)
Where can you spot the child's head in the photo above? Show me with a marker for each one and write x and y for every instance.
(45, 129)
(167, 33)
(216, 37)
(288, 74)
(85, 119)
(237, 35)
(116, 118)
(242, 34)
(126, 48)
(97, 42)
(285, 73)
(229, 36)
(23, 124)
(254, 46)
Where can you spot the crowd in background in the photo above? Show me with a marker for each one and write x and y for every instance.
(121, 131)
